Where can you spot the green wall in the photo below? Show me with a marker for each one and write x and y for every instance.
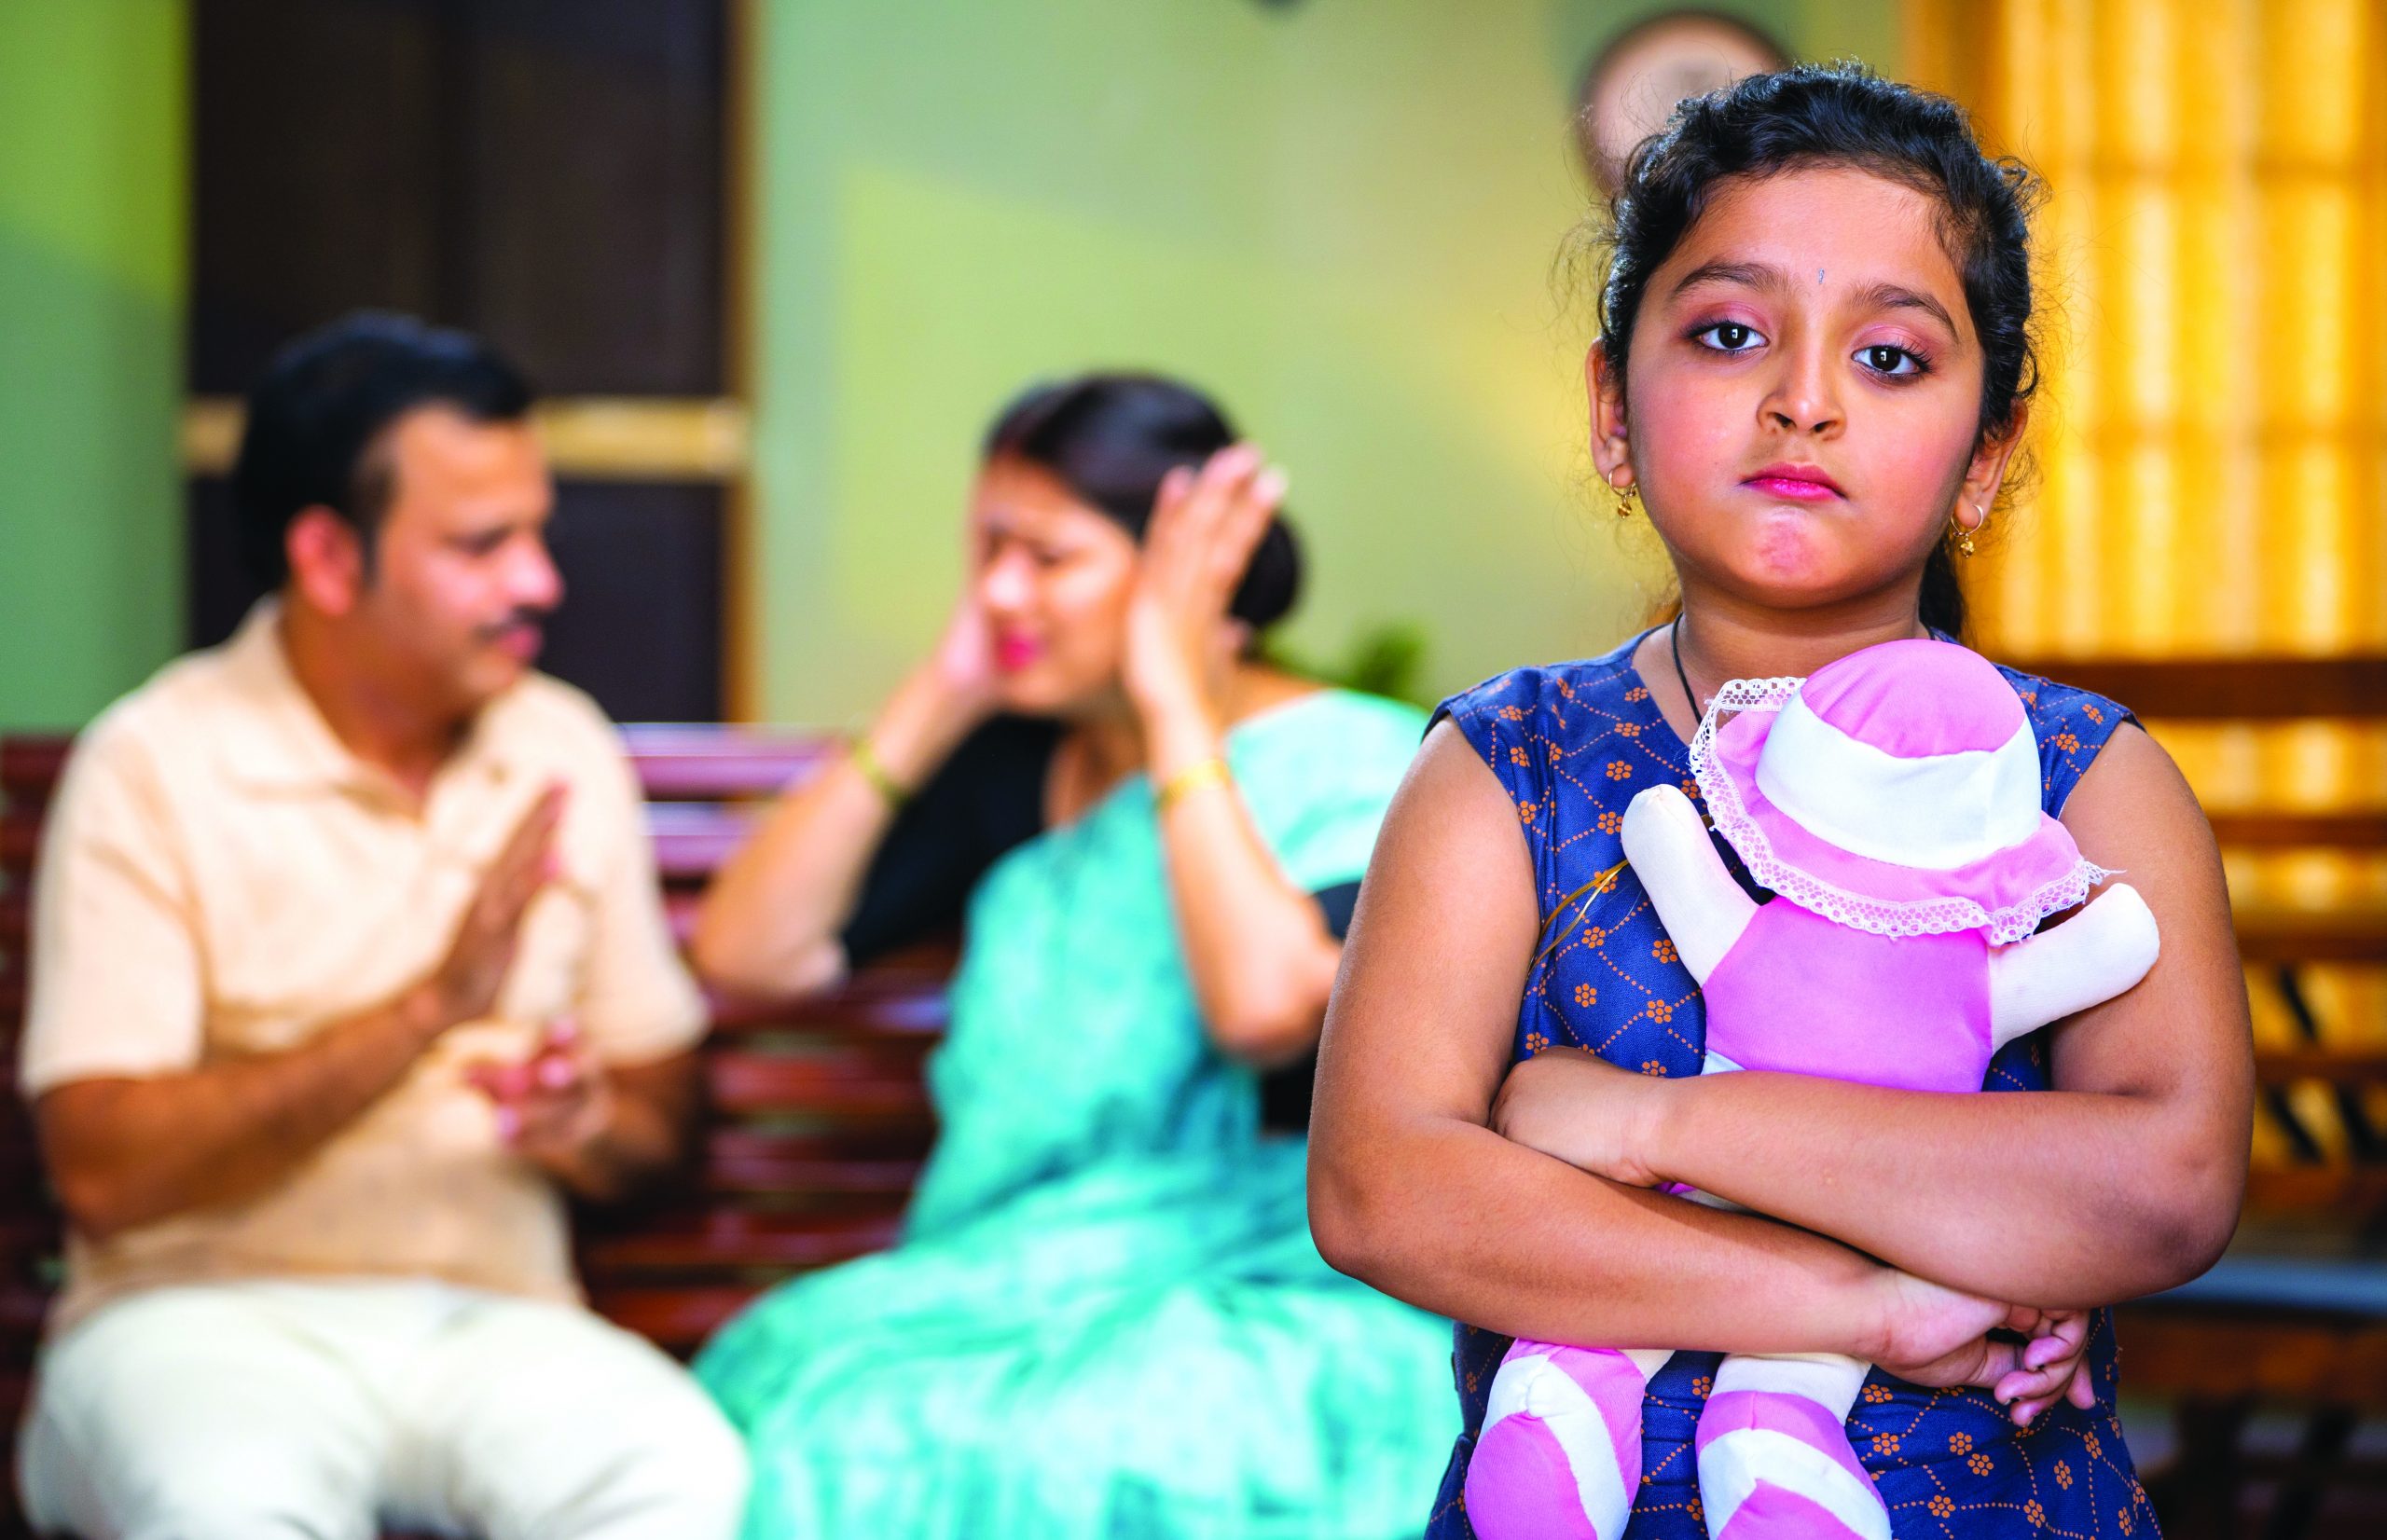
(91, 277)
(1340, 216)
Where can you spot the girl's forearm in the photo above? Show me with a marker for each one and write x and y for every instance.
(2060, 1198)
(1466, 1224)
(2125, 1182)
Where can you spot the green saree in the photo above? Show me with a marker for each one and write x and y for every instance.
(1107, 1318)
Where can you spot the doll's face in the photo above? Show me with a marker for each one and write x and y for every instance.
(1803, 392)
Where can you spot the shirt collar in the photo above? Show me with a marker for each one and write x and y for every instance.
(278, 740)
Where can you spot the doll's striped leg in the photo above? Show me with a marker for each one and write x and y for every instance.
(1560, 1454)
(1774, 1460)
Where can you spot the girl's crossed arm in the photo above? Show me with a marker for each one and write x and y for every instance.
(1410, 1192)
(2124, 1180)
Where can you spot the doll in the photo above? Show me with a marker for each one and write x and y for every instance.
(1891, 803)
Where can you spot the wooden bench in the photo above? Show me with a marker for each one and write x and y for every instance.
(2273, 1361)
(817, 1120)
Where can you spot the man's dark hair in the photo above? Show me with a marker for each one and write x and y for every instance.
(1110, 438)
(316, 420)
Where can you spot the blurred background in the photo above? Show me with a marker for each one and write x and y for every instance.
(774, 263)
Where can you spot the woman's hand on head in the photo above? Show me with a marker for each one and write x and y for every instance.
(963, 667)
(1205, 527)
(1939, 1337)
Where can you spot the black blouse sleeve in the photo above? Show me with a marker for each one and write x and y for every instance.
(987, 797)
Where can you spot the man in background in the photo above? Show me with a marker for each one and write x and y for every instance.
(349, 960)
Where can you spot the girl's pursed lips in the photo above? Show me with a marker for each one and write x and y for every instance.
(1799, 483)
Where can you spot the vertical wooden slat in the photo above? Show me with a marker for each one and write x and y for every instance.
(741, 556)
(548, 174)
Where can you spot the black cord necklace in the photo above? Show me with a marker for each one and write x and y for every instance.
(1674, 645)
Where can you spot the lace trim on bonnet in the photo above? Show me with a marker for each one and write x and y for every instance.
(1879, 917)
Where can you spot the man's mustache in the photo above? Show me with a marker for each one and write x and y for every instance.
(529, 618)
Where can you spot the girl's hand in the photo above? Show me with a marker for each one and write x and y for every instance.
(1571, 1104)
(2054, 1367)
(1204, 528)
(1936, 1336)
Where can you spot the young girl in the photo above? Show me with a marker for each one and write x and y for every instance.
(1812, 372)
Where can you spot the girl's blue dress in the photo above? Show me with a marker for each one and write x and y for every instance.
(1573, 743)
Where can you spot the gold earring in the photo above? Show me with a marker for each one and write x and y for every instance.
(1964, 536)
(1628, 497)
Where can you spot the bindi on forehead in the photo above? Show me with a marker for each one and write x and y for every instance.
(1876, 239)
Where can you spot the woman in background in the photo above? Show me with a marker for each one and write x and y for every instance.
(1107, 1316)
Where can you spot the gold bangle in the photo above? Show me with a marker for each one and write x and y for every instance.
(866, 764)
(1193, 777)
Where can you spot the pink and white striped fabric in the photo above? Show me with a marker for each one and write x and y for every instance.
(1775, 1463)
(1560, 1453)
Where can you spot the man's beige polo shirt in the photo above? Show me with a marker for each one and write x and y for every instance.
(219, 876)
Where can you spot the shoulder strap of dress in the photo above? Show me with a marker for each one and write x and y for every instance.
(2071, 726)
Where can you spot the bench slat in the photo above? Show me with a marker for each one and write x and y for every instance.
(740, 1161)
(677, 1318)
(687, 761)
(2312, 936)
(2229, 689)
(20, 837)
(2215, 1352)
(736, 1239)
(2335, 1066)
(2254, 830)
(2325, 1192)
(692, 839)
(31, 763)
(853, 1079)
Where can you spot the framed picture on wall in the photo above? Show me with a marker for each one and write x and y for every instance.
(1634, 83)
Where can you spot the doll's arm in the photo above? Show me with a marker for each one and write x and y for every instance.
(2090, 958)
(1702, 908)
